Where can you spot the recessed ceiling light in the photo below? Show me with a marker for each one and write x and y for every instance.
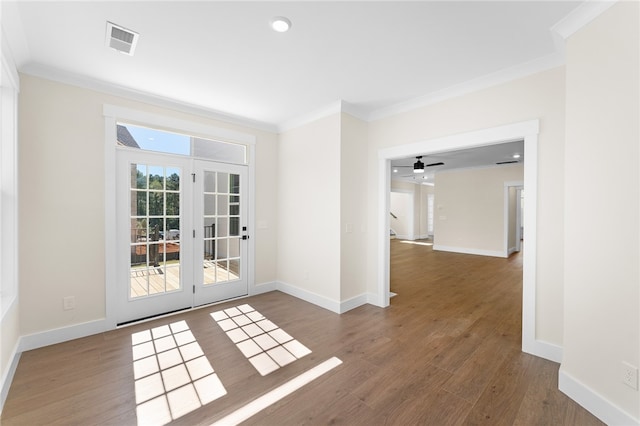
(395, 170)
(516, 155)
(280, 24)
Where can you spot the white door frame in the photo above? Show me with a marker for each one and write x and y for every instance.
(527, 131)
(112, 114)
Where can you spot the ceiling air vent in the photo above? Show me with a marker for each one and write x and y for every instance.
(121, 39)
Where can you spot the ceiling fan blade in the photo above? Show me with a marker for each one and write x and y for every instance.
(434, 164)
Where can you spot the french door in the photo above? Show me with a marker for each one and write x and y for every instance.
(180, 233)
(220, 207)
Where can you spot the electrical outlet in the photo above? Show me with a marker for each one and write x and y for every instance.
(630, 375)
(68, 303)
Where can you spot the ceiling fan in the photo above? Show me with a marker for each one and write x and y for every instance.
(418, 166)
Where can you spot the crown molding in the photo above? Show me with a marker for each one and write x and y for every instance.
(65, 77)
(326, 111)
(331, 109)
(503, 76)
(581, 16)
(355, 111)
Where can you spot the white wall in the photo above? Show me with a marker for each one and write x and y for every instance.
(602, 214)
(309, 211)
(540, 96)
(469, 210)
(62, 181)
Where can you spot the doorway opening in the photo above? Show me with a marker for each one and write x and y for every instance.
(527, 131)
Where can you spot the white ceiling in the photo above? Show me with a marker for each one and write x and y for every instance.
(402, 170)
(223, 57)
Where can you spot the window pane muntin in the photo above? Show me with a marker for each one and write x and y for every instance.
(155, 230)
(222, 205)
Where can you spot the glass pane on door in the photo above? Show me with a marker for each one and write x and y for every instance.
(154, 266)
(221, 263)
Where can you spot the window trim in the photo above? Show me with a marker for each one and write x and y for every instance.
(9, 89)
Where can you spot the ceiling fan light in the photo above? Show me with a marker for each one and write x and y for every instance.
(418, 167)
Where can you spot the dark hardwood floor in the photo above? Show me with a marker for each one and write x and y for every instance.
(446, 352)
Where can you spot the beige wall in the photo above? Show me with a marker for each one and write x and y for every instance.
(469, 209)
(353, 205)
(62, 219)
(309, 212)
(322, 210)
(602, 213)
(540, 96)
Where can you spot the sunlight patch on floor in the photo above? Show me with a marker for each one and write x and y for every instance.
(417, 243)
(270, 398)
(172, 375)
(264, 344)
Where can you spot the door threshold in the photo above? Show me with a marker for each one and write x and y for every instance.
(175, 312)
(151, 317)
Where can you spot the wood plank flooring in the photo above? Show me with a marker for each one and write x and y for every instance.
(446, 352)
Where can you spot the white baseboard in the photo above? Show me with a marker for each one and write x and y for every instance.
(511, 250)
(324, 302)
(59, 335)
(465, 250)
(593, 402)
(263, 288)
(354, 302)
(311, 297)
(405, 237)
(543, 349)
(7, 378)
